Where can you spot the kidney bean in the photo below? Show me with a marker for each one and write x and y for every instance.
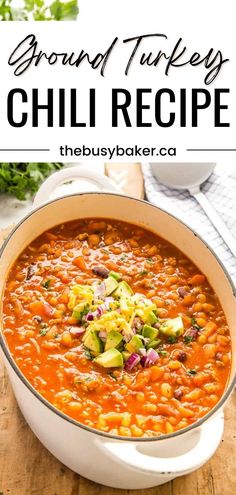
(182, 356)
(182, 292)
(101, 271)
(178, 394)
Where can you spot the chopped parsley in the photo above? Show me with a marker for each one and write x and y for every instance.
(124, 257)
(88, 354)
(162, 352)
(191, 372)
(172, 339)
(188, 339)
(143, 272)
(194, 324)
(46, 284)
(43, 332)
(150, 260)
(112, 375)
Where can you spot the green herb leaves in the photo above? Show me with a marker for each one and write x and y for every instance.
(39, 10)
(46, 284)
(194, 324)
(23, 179)
(191, 372)
(188, 339)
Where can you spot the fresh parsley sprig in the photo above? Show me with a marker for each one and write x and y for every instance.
(38, 10)
(23, 179)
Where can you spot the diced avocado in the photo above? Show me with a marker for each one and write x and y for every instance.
(152, 318)
(150, 332)
(123, 290)
(79, 310)
(126, 355)
(115, 275)
(93, 343)
(111, 285)
(134, 344)
(154, 344)
(113, 339)
(110, 359)
(172, 327)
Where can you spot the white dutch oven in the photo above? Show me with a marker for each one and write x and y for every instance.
(107, 459)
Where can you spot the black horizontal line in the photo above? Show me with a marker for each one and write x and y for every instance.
(211, 149)
(24, 149)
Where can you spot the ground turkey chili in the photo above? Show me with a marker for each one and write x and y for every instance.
(116, 328)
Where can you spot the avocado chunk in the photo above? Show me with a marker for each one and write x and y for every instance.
(134, 344)
(150, 332)
(123, 290)
(110, 359)
(113, 340)
(79, 310)
(126, 355)
(111, 284)
(93, 343)
(172, 327)
(152, 319)
(154, 344)
(115, 275)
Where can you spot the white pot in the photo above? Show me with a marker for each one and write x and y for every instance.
(107, 459)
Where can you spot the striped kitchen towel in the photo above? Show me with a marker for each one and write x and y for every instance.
(220, 189)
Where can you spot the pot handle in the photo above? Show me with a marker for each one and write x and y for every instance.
(99, 182)
(203, 444)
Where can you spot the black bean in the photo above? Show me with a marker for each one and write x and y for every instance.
(101, 271)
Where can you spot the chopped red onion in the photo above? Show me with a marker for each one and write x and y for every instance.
(132, 361)
(143, 351)
(77, 331)
(150, 358)
(152, 355)
(89, 316)
(145, 362)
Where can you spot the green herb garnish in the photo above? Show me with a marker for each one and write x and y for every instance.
(172, 339)
(46, 284)
(43, 332)
(39, 10)
(194, 324)
(162, 353)
(124, 257)
(188, 339)
(23, 179)
(112, 375)
(88, 355)
(191, 372)
(143, 272)
(150, 260)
